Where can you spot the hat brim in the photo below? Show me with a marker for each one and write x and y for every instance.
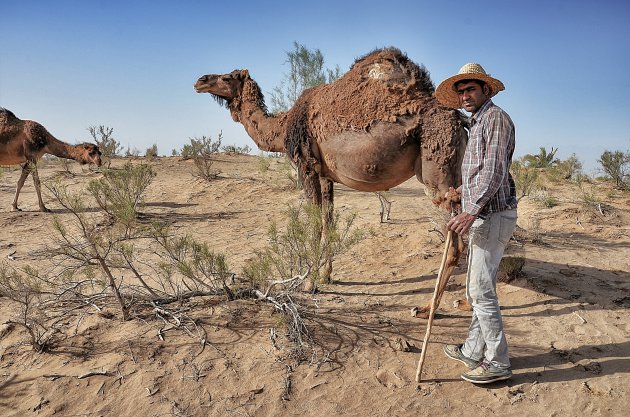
(446, 94)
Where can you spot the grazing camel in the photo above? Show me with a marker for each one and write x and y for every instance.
(371, 130)
(25, 142)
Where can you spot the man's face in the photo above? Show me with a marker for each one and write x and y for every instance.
(472, 95)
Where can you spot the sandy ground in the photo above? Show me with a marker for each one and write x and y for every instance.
(567, 318)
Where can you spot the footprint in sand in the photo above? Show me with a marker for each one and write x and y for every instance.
(389, 379)
(585, 329)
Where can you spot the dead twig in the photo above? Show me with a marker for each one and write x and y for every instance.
(93, 373)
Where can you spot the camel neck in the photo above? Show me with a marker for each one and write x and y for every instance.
(60, 149)
(267, 131)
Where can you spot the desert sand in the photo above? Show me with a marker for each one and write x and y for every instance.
(567, 316)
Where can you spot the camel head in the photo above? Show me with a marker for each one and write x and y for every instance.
(226, 89)
(88, 153)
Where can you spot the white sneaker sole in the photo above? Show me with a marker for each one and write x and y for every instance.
(489, 381)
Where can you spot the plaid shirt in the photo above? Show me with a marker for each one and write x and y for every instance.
(487, 186)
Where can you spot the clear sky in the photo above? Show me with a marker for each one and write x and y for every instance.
(131, 65)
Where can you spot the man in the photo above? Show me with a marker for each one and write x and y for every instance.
(489, 212)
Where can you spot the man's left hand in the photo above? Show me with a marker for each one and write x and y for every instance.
(461, 223)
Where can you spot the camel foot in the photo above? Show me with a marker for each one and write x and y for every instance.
(45, 210)
(463, 305)
(16, 209)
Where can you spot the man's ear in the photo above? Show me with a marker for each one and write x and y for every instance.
(487, 90)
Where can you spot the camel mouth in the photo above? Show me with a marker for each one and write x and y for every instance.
(200, 87)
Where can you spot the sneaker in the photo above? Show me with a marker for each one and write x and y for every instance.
(486, 374)
(455, 352)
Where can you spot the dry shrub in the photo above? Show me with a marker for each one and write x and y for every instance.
(510, 268)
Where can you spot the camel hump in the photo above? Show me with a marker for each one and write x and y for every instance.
(7, 116)
(393, 66)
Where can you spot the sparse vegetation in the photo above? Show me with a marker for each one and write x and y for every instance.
(568, 169)
(201, 151)
(616, 165)
(25, 289)
(236, 150)
(307, 70)
(526, 178)
(195, 317)
(120, 192)
(545, 199)
(97, 261)
(510, 268)
(151, 152)
(132, 152)
(263, 162)
(300, 252)
(109, 147)
(543, 159)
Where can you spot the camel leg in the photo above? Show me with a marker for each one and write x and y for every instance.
(38, 190)
(312, 189)
(312, 185)
(452, 258)
(327, 212)
(25, 171)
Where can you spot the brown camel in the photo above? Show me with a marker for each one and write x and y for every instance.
(371, 130)
(25, 142)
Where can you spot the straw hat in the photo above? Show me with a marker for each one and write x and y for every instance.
(446, 94)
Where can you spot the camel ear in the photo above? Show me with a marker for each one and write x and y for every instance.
(244, 74)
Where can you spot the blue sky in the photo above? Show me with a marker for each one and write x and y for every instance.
(131, 65)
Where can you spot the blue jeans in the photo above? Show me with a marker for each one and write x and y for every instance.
(487, 241)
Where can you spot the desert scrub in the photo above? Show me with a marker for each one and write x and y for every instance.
(526, 178)
(616, 165)
(151, 152)
(299, 252)
(109, 147)
(120, 193)
(510, 268)
(201, 151)
(25, 289)
(568, 169)
(189, 266)
(236, 150)
(545, 199)
(263, 163)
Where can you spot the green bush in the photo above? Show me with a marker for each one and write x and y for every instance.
(568, 169)
(236, 150)
(151, 152)
(109, 147)
(120, 192)
(616, 165)
(525, 178)
(300, 252)
(201, 150)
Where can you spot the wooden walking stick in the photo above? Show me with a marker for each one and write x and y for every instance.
(438, 280)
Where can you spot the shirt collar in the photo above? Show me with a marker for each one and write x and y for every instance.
(479, 113)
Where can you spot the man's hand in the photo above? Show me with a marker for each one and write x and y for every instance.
(461, 223)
